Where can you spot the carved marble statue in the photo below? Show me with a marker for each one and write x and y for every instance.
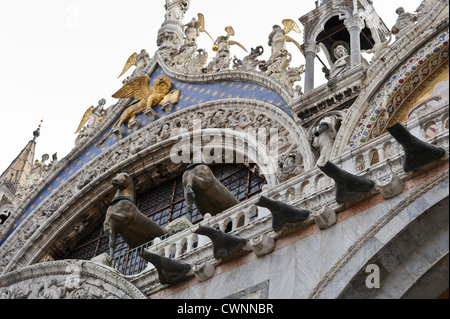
(188, 58)
(139, 60)
(424, 7)
(278, 64)
(404, 21)
(90, 120)
(176, 9)
(342, 62)
(324, 136)
(221, 46)
(278, 37)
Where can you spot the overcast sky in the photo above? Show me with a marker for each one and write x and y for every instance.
(59, 57)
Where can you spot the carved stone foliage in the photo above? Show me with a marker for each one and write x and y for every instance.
(290, 165)
(66, 280)
(54, 288)
(250, 62)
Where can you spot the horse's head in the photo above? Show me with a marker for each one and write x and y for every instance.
(122, 181)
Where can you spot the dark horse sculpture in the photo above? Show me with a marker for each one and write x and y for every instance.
(202, 188)
(123, 217)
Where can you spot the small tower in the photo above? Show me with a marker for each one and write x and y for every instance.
(351, 24)
(17, 172)
(16, 176)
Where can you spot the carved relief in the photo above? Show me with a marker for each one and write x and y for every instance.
(245, 119)
(38, 172)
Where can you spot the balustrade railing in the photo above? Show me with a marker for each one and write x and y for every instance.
(312, 190)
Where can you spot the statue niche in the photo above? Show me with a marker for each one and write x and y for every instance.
(202, 188)
(124, 218)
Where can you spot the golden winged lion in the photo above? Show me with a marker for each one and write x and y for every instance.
(146, 97)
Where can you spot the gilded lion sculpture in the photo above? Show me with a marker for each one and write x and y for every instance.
(146, 97)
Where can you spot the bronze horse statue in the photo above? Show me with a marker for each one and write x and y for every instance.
(202, 188)
(123, 217)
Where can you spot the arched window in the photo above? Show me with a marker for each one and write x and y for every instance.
(165, 203)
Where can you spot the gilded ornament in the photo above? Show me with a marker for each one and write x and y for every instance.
(146, 97)
(85, 118)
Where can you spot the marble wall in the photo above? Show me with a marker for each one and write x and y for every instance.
(324, 263)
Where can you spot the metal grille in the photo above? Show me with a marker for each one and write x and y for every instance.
(164, 204)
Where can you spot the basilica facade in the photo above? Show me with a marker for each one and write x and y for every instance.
(213, 177)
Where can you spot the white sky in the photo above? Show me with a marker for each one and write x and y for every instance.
(58, 57)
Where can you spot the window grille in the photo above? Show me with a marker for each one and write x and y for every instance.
(165, 203)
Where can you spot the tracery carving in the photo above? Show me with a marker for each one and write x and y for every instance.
(66, 280)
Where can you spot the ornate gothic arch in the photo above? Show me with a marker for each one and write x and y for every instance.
(379, 103)
(82, 197)
(312, 31)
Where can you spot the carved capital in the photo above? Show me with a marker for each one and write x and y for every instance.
(325, 218)
(391, 187)
(262, 245)
(310, 47)
(354, 21)
(204, 271)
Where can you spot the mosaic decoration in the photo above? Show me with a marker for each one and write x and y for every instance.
(191, 95)
(396, 90)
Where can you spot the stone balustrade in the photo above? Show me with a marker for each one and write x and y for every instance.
(311, 190)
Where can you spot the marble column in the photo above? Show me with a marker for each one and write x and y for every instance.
(310, 56)
(354, 25)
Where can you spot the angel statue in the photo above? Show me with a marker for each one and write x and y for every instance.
(278, 37)
(222, 48)
(139, 60)
(278, 64)
(187, 53)
(193, 29)
(93, 116)
(145, 97)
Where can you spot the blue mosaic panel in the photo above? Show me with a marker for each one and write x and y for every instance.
(191, 95)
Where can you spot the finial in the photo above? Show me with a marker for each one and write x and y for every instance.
(37, 132)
